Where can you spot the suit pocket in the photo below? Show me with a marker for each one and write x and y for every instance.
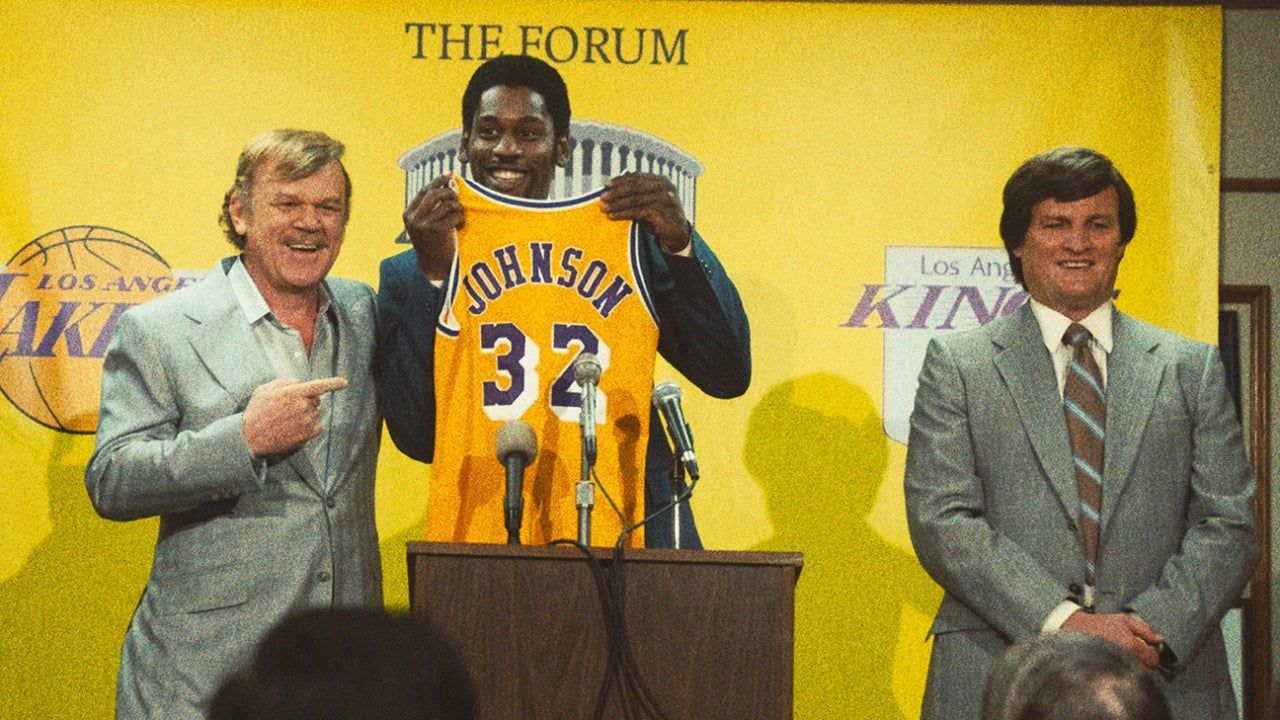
(217, 587)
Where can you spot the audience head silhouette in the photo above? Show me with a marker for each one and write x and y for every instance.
(1072, 676)
(344, 664)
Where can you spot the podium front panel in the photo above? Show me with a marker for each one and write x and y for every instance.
(711, 633)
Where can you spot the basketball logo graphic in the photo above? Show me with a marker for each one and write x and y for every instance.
(60, 297)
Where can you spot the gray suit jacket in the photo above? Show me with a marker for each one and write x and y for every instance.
(992, 504)
(235, 553)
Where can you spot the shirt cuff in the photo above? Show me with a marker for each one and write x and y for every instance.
(686, 251)
(1059, 616)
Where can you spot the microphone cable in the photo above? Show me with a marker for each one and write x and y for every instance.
(622, 669)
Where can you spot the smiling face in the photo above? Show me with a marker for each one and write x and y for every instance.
(1071, 253)
(511, 144)
(293, 229)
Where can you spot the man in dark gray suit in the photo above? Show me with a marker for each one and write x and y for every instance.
(1100, 486)
(241, 411)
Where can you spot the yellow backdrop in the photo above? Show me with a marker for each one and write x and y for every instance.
(852, 154)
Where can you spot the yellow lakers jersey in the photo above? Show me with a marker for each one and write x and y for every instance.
(534, 284)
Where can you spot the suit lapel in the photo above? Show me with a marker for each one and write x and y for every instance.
(224, 342)
(1133, 379)
(1027, 370)
(340, 450)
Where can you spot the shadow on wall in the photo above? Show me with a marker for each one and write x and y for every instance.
(815, 446)
(66, 610)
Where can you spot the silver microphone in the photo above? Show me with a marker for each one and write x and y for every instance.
(666, 398)
(586, 371)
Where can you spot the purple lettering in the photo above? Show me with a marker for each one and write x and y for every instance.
(6, 279)
(99, 348)
(606, 301)
(28, 314)
(512, 275)
(66, 326)
(478, 304)
(540, 264)
(931, 295)
(868, 305)
(568, 261)
(591, 278)
(973, 296)
(487, 281)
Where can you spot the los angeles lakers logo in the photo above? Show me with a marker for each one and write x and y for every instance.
(60, 298)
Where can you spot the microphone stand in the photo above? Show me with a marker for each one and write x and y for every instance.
(677, 484)
(586, 499)
(584, 491)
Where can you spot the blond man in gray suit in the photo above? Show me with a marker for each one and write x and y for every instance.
(241, 411)
(1100, 486)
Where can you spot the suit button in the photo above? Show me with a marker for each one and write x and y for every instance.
(1071, 526)
(1075, 588)
(323, 576)
(330, 502)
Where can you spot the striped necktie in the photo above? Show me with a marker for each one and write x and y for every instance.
(1084, 403)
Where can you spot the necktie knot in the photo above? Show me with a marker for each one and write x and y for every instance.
(1076, 335)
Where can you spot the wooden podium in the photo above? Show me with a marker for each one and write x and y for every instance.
(711, 632)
